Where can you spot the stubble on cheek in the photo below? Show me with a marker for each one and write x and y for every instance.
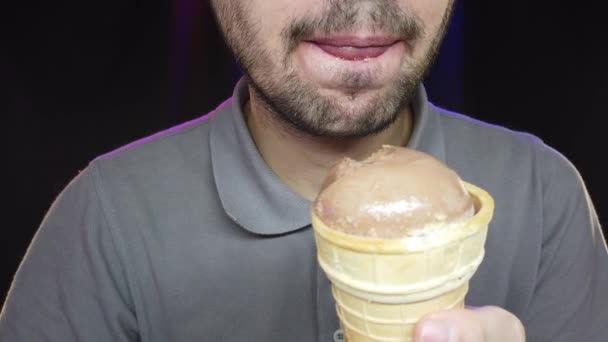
(267, 58)
(242, 33)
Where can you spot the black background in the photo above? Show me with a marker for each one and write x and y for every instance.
(79, 79)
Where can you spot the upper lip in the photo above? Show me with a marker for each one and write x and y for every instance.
(352, 40)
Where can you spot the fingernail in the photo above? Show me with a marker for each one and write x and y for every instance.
(435, 331)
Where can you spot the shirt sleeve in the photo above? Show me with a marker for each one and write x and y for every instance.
(72, 284)
(569, 301)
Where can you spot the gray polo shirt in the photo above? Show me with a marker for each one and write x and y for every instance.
(188, 235)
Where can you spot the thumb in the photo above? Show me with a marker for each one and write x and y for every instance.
(484, 324)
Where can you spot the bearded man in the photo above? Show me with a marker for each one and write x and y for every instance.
(202, 232)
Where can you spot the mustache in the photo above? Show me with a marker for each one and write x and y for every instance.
(383, 16)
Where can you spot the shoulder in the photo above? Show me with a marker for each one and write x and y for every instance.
(501, 146)
(160, 143)
(163, 168)
(483, 135)
(164, 150)
(517, 163)
(516, 166)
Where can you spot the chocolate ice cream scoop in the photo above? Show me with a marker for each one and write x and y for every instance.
(391, 194)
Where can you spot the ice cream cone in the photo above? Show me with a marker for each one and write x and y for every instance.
(382, 287)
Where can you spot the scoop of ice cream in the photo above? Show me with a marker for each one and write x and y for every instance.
(393, 192)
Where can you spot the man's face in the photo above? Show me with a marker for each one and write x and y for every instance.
(336, 68)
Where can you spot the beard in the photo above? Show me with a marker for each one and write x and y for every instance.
(299, 104)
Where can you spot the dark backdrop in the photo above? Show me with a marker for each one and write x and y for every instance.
(79, 79)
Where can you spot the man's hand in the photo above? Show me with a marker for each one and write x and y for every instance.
(484, 324)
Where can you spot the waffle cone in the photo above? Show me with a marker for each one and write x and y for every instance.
(383, 287)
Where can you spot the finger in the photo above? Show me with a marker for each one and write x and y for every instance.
(485, 324)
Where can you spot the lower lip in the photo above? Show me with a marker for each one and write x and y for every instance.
(354, 53)
(327, 67)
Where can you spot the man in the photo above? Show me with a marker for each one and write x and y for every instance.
(202, 232)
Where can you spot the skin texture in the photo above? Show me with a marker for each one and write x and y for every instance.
(309, 108)
(332, 99)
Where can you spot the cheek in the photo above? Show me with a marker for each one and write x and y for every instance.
(267, 19)
(430, 12)
(271, 17)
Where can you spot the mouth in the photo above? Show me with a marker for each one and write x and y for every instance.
(354, 48)
(366, 61)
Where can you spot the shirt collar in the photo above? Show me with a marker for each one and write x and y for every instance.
(253, 195)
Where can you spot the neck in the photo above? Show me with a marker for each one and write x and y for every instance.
(303, 161)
